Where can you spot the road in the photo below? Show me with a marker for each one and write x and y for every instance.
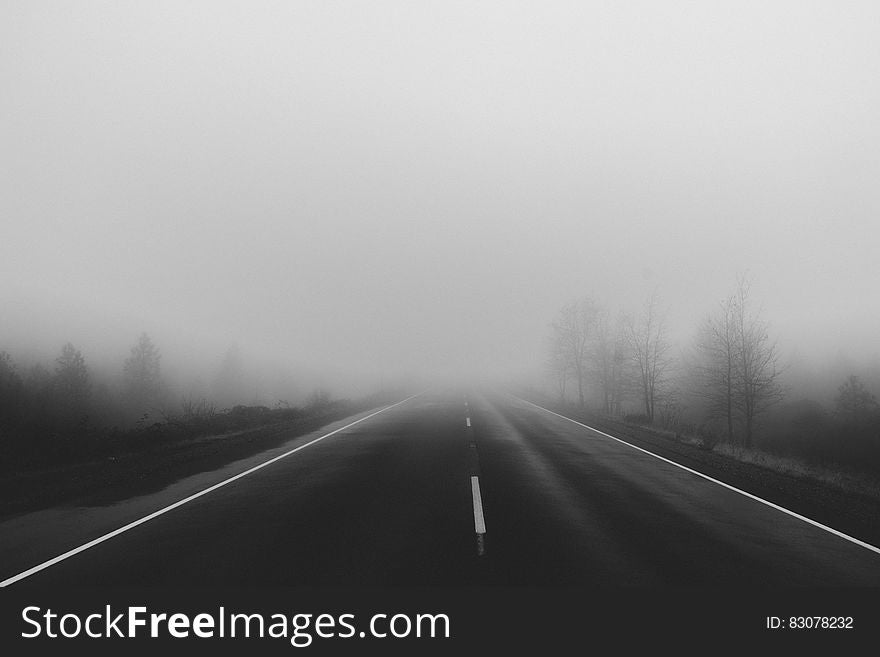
(391, 501)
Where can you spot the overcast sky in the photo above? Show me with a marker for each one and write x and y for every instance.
(420, 185)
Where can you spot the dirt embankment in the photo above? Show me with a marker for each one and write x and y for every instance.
(149, 468)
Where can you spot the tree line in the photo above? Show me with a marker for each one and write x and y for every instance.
(65, 394)
(722, 386)
(63, 407)
(720, 389)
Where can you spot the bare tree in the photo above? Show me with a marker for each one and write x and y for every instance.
(716, 374)
(610, 354)
(624, 377)
(757, 384)
(558, 366)
(650, 353)
(741, 371)
(603, 357)
(572, 331)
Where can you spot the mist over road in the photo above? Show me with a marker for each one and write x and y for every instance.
(391, 500)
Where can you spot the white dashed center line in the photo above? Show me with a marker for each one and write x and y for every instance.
(479, 521)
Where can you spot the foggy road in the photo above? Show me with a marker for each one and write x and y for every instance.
(398, 499)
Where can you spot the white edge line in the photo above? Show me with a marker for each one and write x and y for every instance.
(479, 520)
(156, 514)
(810, 521)
(468, 421)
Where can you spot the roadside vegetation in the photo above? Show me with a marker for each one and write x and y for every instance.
(64, 412)
(727, 391)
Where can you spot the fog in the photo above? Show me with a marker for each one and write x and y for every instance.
(358, 192)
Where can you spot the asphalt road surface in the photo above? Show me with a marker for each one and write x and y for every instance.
(401, 497)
